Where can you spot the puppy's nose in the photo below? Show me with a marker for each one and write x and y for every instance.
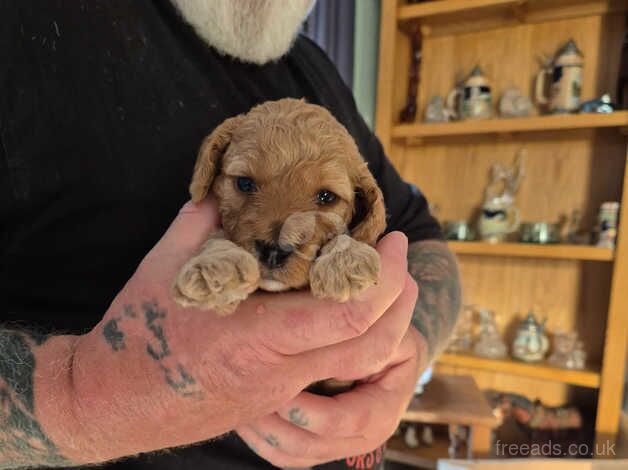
(271, 254)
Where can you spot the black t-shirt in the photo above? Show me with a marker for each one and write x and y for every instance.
(103, 105)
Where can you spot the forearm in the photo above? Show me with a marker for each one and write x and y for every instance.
(435, 270)
(35, 399)
(110, 393)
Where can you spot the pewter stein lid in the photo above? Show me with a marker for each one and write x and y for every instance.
(476, 78)
(570, 47)
(531, 325)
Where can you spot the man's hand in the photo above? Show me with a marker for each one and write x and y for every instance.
(312, 429)
(153, 375)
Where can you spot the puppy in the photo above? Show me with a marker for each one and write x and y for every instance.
(299, 208)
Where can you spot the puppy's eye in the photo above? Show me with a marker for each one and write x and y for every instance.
(325, 196)
(246, 184)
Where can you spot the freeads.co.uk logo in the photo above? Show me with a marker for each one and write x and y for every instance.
(366, 461)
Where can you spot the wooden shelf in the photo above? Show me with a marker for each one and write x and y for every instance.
(511, 125)
(443, 7)
(527, 250)
(583, 378)
(444, 17)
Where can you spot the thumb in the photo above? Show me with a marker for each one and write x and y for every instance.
(190, 228)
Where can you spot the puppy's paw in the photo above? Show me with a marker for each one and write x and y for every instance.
(345, 268)
(217, 279)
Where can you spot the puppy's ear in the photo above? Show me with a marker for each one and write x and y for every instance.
(208, 160)
(369, 215)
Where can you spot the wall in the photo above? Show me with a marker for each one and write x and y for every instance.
(366, 46)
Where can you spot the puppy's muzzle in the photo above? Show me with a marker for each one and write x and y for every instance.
(272, 255)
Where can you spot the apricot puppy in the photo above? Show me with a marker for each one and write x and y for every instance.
(298, 205)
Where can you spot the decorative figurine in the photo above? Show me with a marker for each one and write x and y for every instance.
(567, 352)
(410, 437)
(473, 99)
(489, 343)
(575, 235)
(499, 216)
(531, 343)
(607, 224)
(460, 340)
(514, 104)
(565, 70)
(540, 232)
(459, 438)
(600, 105)
(458, 230)
(535, 415)
(436, 111)
(417, 434)
(408, 113)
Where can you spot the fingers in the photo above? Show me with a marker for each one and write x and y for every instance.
(373, 351)
(286, 445)
(313, 429)
(300, 322)
(190, 229)
(368, 408)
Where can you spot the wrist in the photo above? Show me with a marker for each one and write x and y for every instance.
(51, 413)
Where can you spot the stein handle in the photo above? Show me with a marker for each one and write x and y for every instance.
(451, 102)
(539, 86)
(514, 225)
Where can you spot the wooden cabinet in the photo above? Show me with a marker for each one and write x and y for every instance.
(573, 162)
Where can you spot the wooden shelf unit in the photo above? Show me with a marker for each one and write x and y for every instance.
(573, 162)
(584, 378)
(526, 250)
(617, 119)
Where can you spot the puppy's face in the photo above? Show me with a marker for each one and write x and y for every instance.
(288, 178)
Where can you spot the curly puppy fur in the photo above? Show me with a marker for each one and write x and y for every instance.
(292, 150)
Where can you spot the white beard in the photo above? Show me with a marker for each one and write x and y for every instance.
(257, 31)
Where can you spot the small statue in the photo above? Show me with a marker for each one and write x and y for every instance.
(416, 434)
(575, 235)
(607, 224)
(460, 340)
(568, 352)
(531, 343)
(600, 105)
(489, 342)
(514, 104)
(535, 415)
(499, 216)
(436, 111)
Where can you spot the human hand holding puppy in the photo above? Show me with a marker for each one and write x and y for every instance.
(153, 375)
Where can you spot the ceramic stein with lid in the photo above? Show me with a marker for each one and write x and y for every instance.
(564, 74)
(473, 99)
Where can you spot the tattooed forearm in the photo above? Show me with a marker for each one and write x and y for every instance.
(435, 270)
(22, 441)
(157, 346)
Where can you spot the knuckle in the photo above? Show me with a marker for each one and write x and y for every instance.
(413, 288)
(381, 351)
(356, 317)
